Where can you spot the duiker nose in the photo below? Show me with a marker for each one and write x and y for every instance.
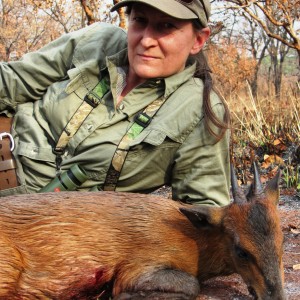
(275, 289)
(275, 294)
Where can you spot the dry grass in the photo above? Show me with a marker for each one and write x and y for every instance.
(267, 130)
(265, 120)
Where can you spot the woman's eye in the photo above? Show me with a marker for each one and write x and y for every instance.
(139, 20)
(168, 26)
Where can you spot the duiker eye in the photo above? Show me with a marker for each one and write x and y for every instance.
(241, 253)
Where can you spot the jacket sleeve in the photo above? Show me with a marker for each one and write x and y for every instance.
(28, 79)
(202, 167)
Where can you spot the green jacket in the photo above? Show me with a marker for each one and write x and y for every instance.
(45, 88)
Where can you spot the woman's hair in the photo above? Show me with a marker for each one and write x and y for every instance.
(210, 118)
(203, 72)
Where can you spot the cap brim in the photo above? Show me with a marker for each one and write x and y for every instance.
(176, 10)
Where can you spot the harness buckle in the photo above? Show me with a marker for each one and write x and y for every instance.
(12, 142)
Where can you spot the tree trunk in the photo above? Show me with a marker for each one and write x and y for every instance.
(298, 52)
(277, 81)
(253, 83)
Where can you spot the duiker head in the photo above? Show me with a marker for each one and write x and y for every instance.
(257, 237)
(250, 229)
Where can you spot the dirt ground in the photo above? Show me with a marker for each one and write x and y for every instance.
(233, 287)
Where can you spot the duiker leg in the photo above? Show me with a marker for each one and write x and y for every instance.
(163, 284)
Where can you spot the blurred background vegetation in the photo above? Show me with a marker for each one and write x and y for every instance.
(254, 57)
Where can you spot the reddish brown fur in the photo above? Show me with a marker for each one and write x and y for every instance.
(68, 245)
(56, 241)
(270, 250)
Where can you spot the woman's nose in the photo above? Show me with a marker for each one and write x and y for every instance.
(149, 37)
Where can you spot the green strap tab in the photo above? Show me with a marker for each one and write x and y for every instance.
(95, 96)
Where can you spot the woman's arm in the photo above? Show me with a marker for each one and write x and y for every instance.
(28, 79)
(201, 170)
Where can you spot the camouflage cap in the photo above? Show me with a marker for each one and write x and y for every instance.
(180, 9)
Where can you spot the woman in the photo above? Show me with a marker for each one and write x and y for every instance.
(134, 116)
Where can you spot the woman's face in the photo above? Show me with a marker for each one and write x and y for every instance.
(159, 45)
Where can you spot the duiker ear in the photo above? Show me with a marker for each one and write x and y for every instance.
(272, 188)
(204, 217)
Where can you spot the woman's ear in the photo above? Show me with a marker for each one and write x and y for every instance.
(200, 39)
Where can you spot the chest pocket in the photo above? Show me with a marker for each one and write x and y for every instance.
(150, 159)
(153, 139)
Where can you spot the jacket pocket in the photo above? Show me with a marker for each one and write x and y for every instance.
(155, 138)
(151, 143)
(149, 162)
(34, 152)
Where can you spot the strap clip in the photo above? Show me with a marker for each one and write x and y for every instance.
(12, 142)
(92, 100)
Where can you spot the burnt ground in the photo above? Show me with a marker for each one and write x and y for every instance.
(233, 288)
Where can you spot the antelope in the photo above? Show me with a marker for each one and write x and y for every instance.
(96, 245)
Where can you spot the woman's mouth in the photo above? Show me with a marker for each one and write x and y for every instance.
(147, 57)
